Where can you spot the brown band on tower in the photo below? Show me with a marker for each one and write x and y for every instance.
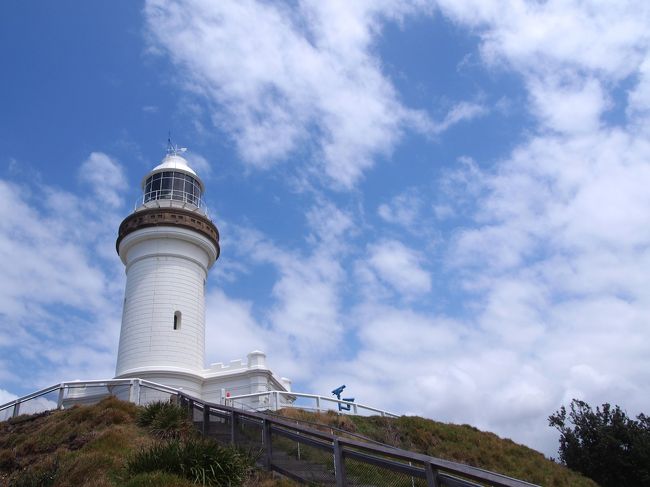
(165, 217)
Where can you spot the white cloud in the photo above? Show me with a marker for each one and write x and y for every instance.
(6, 396)
(400, 267)
(639, 96)
(60, 291)
(284, 76)
(231, 330)
(555, 260)
(403, 209)
(459, 187)
(302, 323)
(463, 111)
(329, 225)
(105, 176)
(199, 163)
(605, 37)
(569, 109)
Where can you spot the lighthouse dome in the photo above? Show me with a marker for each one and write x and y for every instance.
(173, 162)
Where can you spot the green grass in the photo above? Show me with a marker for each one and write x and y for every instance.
(101, 445)
(460, 443)
(200, 460)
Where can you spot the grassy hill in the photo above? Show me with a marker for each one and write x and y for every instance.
(103, 446)
(92, 446)
(460, 443)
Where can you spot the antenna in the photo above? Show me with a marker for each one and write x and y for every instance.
(170, 146)
(173, 150)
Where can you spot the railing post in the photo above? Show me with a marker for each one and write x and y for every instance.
(206, 419)
(267, 444)
(134, 391)
(190, 409)
(317, 403)
(16, 409)
(354, 408)
(277, 400)
(59, 401)
(234, 420)
(339, 464)
(432, 477)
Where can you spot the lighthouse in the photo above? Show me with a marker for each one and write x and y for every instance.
(168, 245)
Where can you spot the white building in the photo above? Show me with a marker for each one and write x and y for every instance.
(168, 245)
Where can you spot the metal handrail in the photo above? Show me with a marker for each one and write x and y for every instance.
(166, 195)
(436, 471)
(354, 406)
(61, 387)
(321, 425)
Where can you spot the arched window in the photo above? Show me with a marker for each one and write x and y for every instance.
(177, 320)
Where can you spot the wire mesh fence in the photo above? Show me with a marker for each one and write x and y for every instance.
(360, 473)
(219, 426)
(6, 413)
(149, 394)
(39, 404)
(250, 433)
(68, 394)
(303, 460)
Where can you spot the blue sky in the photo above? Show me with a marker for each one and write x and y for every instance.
(442, 204)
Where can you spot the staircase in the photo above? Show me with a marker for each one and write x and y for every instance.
(313, 457)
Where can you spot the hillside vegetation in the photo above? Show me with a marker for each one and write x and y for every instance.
(460, 443)
(117, 444)
(103, 446)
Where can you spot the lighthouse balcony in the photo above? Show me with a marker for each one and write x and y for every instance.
(171, 199)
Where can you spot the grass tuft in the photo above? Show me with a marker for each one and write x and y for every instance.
(166, 420)
(157, 479)
(199, 460)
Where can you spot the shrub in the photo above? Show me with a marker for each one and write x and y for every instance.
(165, 420)
(200, 460)
(147, 413)
(604, 444)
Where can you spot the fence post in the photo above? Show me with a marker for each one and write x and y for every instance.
(59, 401)
(190, 409)
(267, 443)
(432, 477)
(134, 391)
(318, 403)
(339, 464)
(206, 420)
(233, 427)
(277, 400)
(16, 409)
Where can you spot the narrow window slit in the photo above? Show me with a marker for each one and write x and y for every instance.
(177, 320)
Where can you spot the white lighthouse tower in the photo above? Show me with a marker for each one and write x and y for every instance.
(168, 245)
